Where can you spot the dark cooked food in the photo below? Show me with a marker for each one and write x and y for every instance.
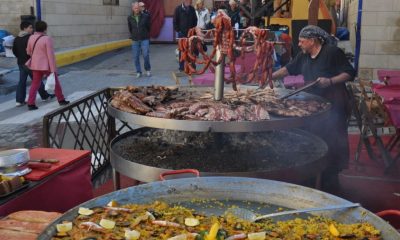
(158, 221)
(220, 152)
(246, 105)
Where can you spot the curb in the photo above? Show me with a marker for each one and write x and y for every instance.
(76, 55)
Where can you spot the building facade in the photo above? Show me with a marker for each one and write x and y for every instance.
(72, 23)
(380, 35)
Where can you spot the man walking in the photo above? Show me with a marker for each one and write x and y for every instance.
(19, 50)
(184, 19)
(139, 27)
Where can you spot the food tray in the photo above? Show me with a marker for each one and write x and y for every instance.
(24, 185)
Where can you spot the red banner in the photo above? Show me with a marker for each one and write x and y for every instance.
(157, 13)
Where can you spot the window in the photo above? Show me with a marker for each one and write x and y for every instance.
(111, 2)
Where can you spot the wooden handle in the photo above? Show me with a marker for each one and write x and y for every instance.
(38, 165)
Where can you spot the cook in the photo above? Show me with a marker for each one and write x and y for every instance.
(321, 60)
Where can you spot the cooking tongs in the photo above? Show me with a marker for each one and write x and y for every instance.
(310, 85)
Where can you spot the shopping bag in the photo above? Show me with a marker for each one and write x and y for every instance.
(50, 83)
(28, 63)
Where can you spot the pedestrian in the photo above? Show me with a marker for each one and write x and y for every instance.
(325, 62)
(143, 8)
(184, 19)
(244, 19)
(234, 14)
(203, 16)
(139, 28)
(19, 50)
(42, 63)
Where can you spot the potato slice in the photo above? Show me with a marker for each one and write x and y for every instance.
(85, 211)
(107, 224)
(191, 222)
(132, 235)
(64, 227)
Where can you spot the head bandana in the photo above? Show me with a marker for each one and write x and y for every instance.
(312, 31)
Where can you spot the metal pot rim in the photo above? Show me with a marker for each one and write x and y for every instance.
(232, 188)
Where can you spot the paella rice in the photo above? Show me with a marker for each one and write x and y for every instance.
(159, 220)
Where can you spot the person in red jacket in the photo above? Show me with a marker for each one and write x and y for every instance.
(42, 63)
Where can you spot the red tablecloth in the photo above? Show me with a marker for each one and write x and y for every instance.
(57, 192)
(391, 99)
(393, 108)
(387, 92)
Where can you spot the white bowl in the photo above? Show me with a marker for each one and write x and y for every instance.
(14, 157)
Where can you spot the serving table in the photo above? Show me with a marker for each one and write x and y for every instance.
(63, 186)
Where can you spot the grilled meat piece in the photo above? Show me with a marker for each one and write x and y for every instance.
(123, 106)
(150, 100)
(247, 105)
(260, 112)
(197, 106)
(201, 112)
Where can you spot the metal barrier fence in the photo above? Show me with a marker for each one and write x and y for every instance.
(84, 124)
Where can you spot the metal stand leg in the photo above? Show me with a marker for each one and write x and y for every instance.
(176, 78)
(116, 180)
(359, 147)
(392, 142)
(219, 77)
(359, 112)
(387, 159)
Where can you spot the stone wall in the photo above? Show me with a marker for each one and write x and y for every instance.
(10, 13)
(76, 23)
(352, 21)
(380, 35)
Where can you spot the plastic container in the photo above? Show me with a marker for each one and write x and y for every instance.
(3, 33)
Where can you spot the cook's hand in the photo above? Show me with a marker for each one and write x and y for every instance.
(324, 82)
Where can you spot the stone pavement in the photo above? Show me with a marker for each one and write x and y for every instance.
(22, 128)
(8, 67)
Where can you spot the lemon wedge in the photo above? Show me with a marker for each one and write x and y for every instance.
(107, 224)
(112, 203)
(85, 211)
(64, 227)
(132, 235)
(212, 235)
(256, 236)
(333, 230)
(191, 222)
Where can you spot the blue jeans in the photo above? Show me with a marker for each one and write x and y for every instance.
(138, 47)
(181, 63)
(24, 72)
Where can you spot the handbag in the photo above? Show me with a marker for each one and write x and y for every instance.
(50, 83)
(28, 63)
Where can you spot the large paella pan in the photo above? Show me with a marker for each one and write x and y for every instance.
(243, 192)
